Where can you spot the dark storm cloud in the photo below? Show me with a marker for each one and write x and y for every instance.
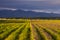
(33, 4)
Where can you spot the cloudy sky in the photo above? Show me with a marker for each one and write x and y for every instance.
(31, 4)
(52, 1)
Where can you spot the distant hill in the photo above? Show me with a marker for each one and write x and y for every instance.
(25, 14)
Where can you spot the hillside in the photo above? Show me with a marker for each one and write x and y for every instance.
(25, 14)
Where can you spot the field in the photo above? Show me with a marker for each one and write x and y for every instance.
(26, 29)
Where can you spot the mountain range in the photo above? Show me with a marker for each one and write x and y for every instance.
(25, 14)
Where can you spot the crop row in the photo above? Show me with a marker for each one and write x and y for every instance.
(27, 31)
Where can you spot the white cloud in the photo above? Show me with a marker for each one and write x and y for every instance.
(44, 10)
(48, 11)
(54, 1)
(7, 9)
(49, 1)
(31, 0)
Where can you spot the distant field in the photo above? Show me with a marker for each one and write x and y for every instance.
(26, 29)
